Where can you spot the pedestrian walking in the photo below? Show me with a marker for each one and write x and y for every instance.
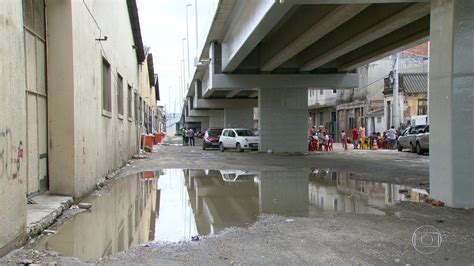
(392, 137)
(344, 140)
(191, 136)
(355, 138)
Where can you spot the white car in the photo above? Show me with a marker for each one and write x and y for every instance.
(238, 138)
(238, 176)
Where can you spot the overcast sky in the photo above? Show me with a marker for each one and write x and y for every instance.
(163, 27)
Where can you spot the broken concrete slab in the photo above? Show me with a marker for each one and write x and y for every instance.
(42, 214)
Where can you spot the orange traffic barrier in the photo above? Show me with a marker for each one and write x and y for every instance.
(158, 137)
(148, 145)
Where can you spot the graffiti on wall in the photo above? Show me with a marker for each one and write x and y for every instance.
(11, 155)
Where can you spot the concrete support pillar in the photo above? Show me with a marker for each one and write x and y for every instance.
(283, 119)
(216, 120)
(451, 102)
(284, 192)
(204, 125)
(238, 117)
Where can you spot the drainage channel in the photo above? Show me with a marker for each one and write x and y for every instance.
(177, 204)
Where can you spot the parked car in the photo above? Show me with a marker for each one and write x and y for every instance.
(407, 139)
(238, 138)
(238, 176)
(211, 138)
(422, 143)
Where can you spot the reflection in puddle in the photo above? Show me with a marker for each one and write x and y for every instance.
(122, 216)
(175, 205)
(175, 220)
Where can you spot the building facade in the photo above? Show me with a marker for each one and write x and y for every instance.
(370, 104)
(69, 100)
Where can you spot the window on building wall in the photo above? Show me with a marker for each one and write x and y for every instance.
(119, 95)
(422, 106)
(136, 102)
(321, 119)
(106, 87)
(334, 91)
(352, 123)
(140, 110)
(321, 92)
(129, 101)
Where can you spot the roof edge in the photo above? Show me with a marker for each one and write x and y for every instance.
(137, 35)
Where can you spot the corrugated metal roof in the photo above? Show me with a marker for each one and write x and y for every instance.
(414, 82)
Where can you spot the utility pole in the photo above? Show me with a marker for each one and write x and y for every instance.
(197, 38)
(187, 38)
(395, 101)
(183, 66)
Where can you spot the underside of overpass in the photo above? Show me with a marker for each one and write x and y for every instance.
(274, 51)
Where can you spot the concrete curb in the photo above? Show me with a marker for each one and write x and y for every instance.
(37, 228)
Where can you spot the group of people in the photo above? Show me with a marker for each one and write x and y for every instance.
(361, 141)
(188, 136)
(320, 139)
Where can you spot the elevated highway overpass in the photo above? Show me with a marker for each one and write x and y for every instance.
(267, 53)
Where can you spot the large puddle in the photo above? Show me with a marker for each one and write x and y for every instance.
(174, 205)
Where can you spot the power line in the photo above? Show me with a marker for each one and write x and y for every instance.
(93, 18)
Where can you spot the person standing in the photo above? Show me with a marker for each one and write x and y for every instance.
(344, 140)
(191, 136)
(355, 137)
(392, 137)
(184, 134)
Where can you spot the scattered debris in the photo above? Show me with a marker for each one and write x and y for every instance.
(434, 202)
(49, 232)
(25, 261)
(398, 215)
(99, 185)
(195, 238)
(31, 201)
(73, 207)
(269, 151)
(85, 206)
(289, 220)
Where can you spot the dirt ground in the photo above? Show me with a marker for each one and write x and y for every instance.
(328, 238)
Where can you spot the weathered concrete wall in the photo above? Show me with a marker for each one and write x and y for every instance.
(87, 143)
(146, 91)
(12, 127)
(102, 143)
(60, 98)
